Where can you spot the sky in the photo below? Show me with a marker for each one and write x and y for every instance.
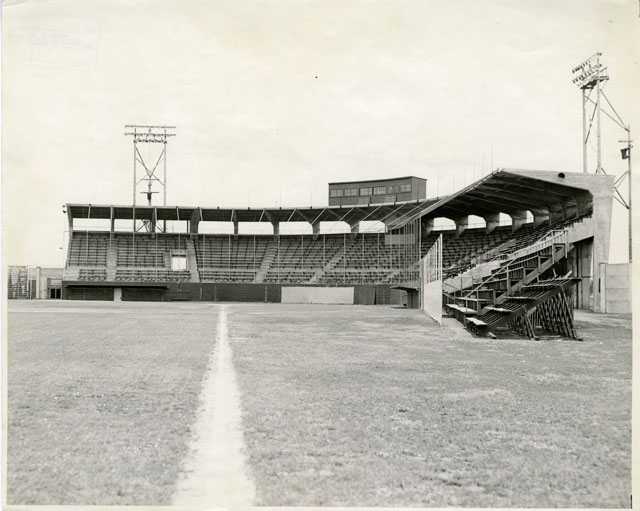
(274, 99)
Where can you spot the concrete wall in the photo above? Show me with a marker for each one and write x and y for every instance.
(87, 293)
(222, 292)
(601, 188)
(432, 300)
(615, 286)
(305, 294)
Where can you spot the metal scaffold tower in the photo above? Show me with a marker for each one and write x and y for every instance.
(145, 134)
(589, 76)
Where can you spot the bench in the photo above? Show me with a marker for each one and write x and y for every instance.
(460, 312)
(497, 309)
(476, 326)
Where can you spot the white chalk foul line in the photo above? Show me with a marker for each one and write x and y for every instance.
(215, 473)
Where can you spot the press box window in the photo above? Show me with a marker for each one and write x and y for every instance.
(365, 191)
(380, 190)
(351, 192)
(178, 263)
(405, 188)
(336, 193)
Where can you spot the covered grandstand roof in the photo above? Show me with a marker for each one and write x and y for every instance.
(502, 191)
(349, 214)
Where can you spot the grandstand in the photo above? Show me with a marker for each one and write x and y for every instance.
(559, 233)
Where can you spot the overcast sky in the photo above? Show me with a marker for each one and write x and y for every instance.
(273, 99)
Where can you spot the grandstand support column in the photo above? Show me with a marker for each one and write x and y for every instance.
(315, 228)
(235, 228)
(427, 227)
(193, 224)
(518, 219)
(556, 213)
(154, 219)
(69, 218)
(461, 224)
(492, 220)
(540, 216)
(583, 205)
(276, 228)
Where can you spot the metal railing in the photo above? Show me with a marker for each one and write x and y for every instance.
(555, 237)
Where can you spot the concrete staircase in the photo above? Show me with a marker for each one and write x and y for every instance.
(330, 264)
(192, 261)
(267, 261)
(112, 261)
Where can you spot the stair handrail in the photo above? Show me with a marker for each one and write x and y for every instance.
(556, 236)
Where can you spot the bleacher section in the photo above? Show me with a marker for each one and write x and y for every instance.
(460, 253)
(88, 249)
(227, 275)
(522, 294)
(146, 249)
(151, 275)
(325, 259)
(298, 258)
(93, 274)
(231, 252)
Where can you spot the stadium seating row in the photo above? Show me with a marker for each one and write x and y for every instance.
(328, 259)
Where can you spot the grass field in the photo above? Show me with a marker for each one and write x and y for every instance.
(341, 405)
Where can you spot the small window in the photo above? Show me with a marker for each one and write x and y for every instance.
(351, 192)
(178, 263)
(365, 191)
(380, 190)
(405, 188)
(336, 193)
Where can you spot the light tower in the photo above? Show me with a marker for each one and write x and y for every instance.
(145, 134)
(588, 76)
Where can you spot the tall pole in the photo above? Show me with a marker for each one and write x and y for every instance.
(584, 131)
(164, 180)
(134, 196)
(598, 131)
(134, 174)
(629, 176)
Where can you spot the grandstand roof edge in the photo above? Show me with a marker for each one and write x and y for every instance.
(311, 214)
(552, 187)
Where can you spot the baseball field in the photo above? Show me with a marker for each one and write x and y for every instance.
(310, 405)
